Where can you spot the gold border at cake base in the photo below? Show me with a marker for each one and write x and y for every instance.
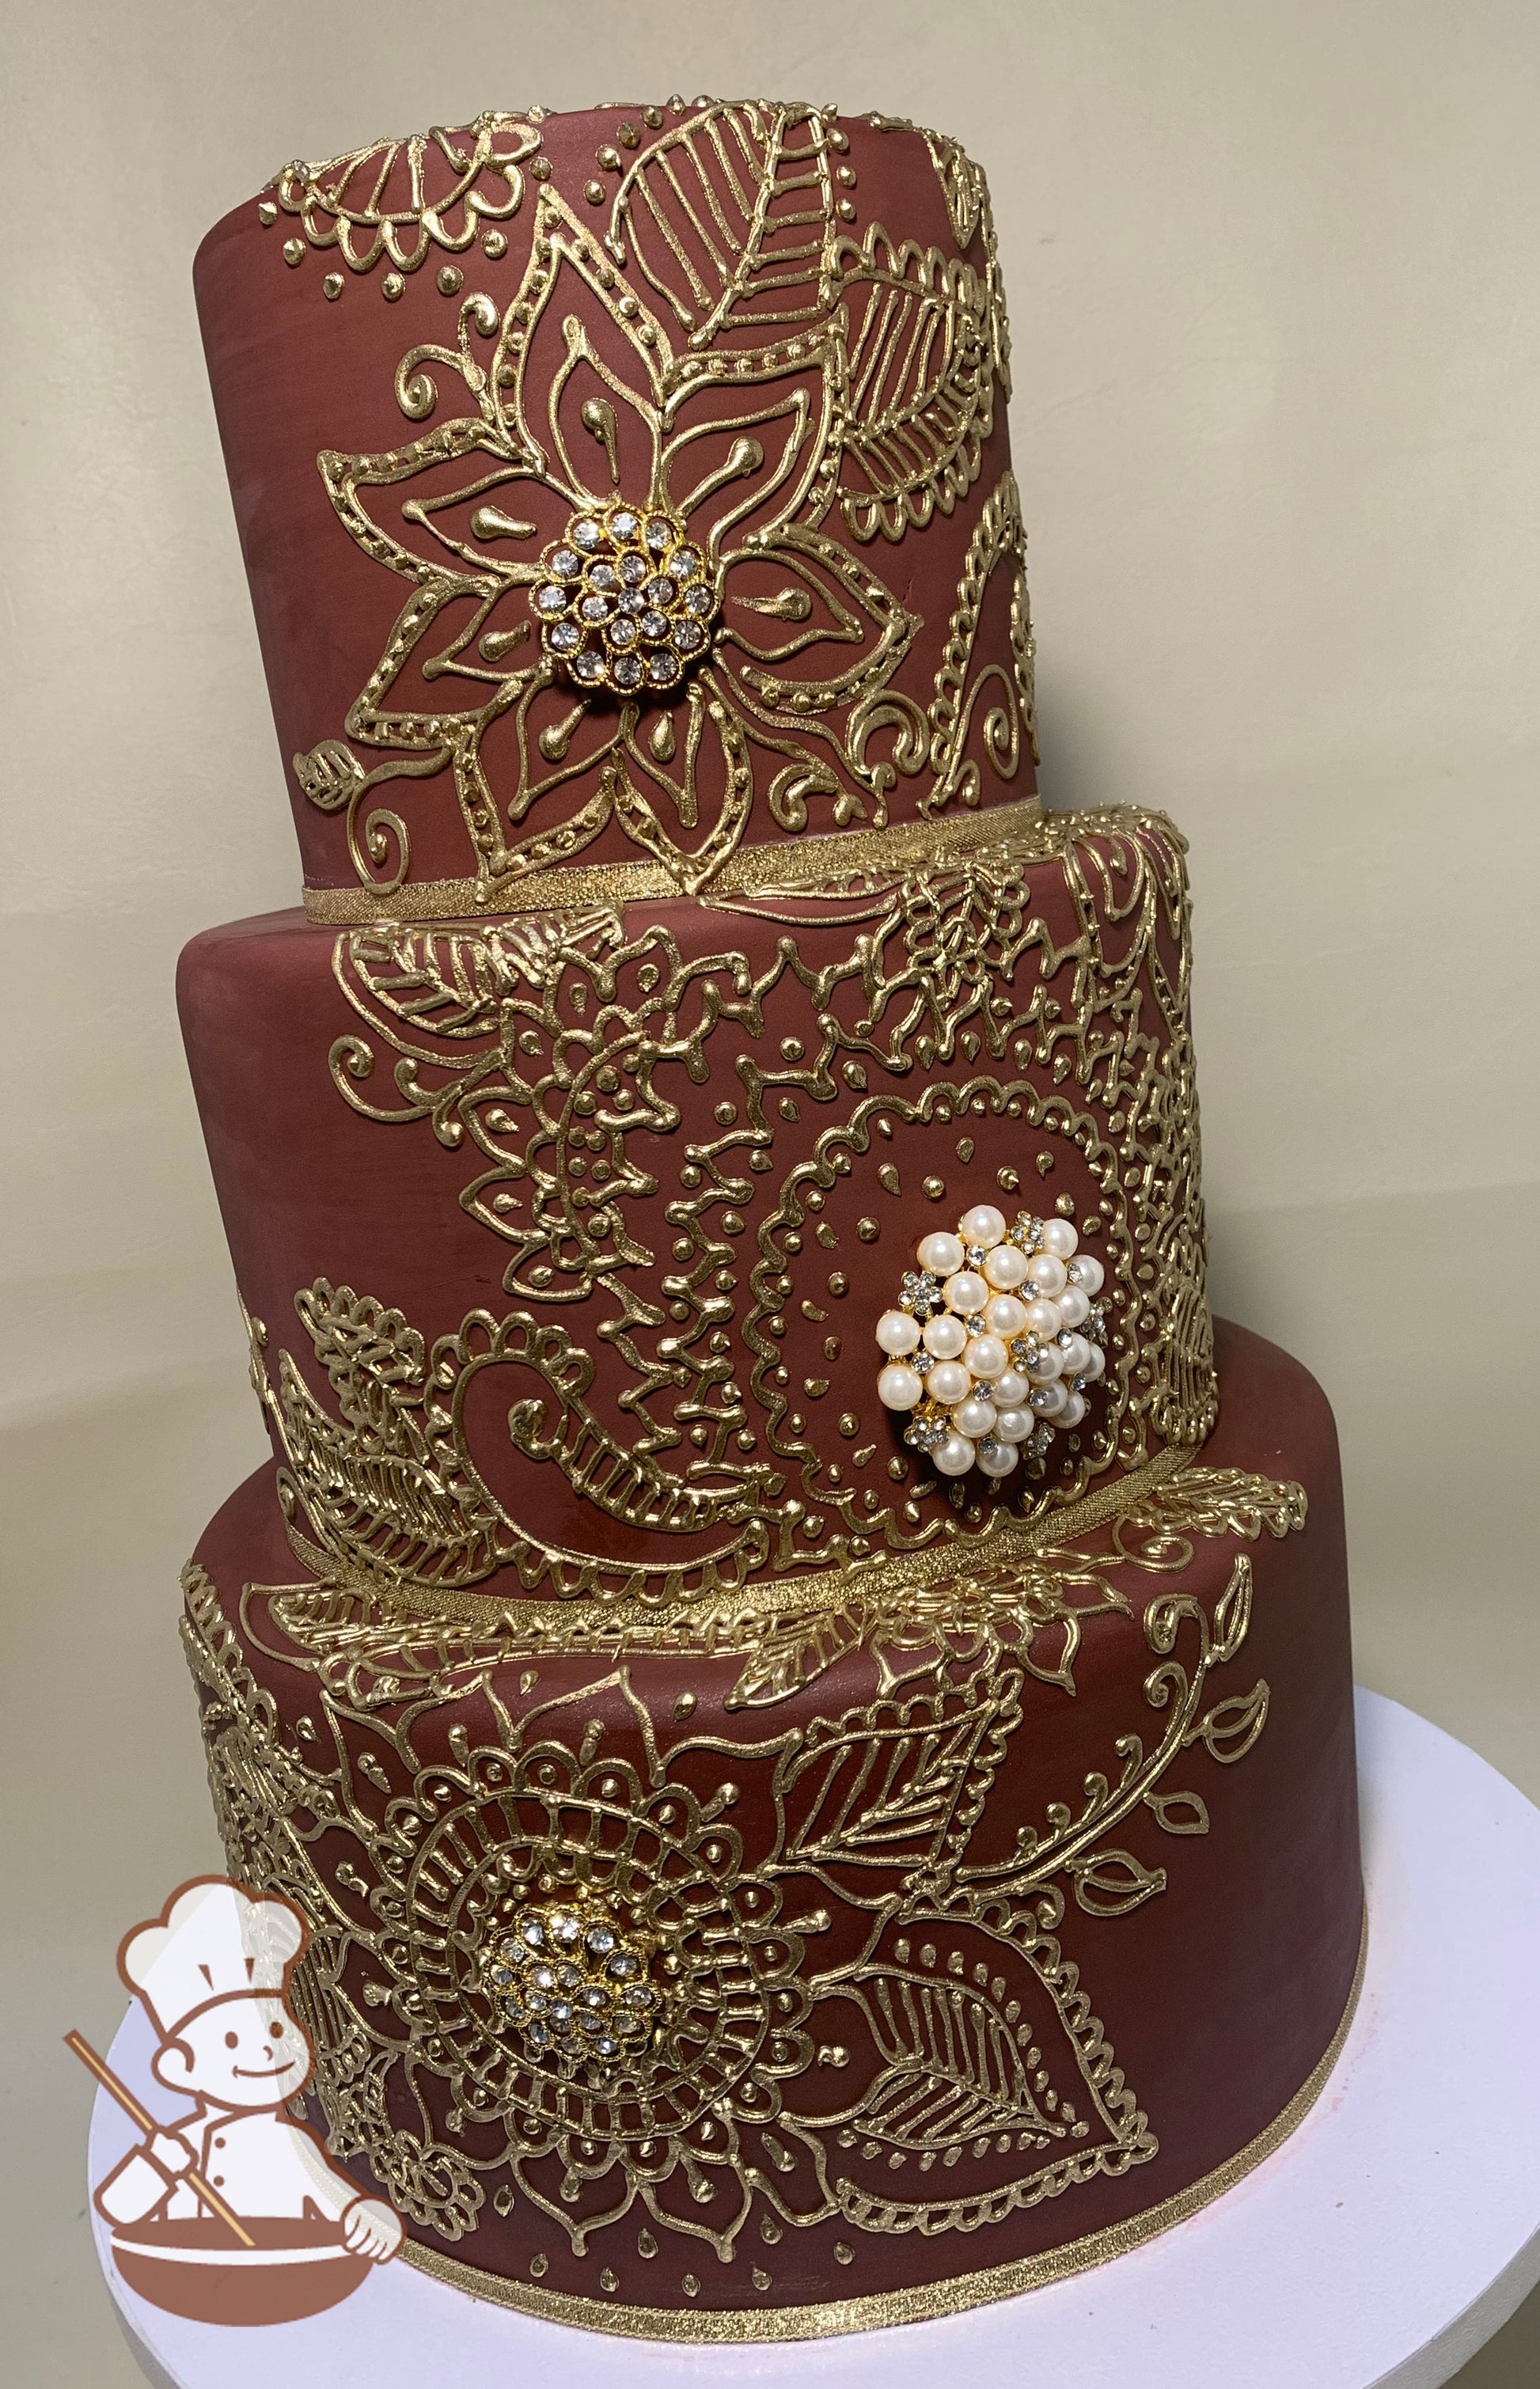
(785, 864)
(928, 2301)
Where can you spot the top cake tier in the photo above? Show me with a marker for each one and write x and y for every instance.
(622, 494)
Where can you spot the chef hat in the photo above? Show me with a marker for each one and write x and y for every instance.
(214, 1942)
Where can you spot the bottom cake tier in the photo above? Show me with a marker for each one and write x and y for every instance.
(779, 1974)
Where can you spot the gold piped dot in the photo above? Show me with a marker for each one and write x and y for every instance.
(847, 177)
(838, 1282)
(607, 2279)
(609, 159)
(628, 136)
(843, 2253)
(1008, 1180)
(652, 117)
(267, 211)
(868, 1231)
(392, 285)
(539, 2265)
(935, 1188)
(332, 286)
(541, 168)
(850, 1425)
(847, 210)
(293, 252)
(594, 193)
(1065, 1206)
(494, 243)
(450, 279)
(888, 1179)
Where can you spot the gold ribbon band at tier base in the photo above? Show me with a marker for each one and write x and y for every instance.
(762, 1604)
(751, 871)
(928, 2301)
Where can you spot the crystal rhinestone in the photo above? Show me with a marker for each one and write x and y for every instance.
(634, 570)
(588, 668)
(632, 602)
(621, 631)
(561, 2012)
(626, 672)
(623, 524)
(596, 608)
(623, 1964)
(539, 2036)
(603, 576)
(553, 598)
(662, 669)
(533, 1931)
(685, 564)
(637, 1996)
(565, 637)
(654, 626)
(659, 591)
(699, 599)
(688, 637)
(606, 2045)
(659, 535)
(543, 1979)
(566, 565)
(600, 1940)
(587, 535)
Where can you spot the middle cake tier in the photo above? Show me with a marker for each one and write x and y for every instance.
(564, 1236)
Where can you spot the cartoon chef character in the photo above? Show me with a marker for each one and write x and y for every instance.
(212, 1972)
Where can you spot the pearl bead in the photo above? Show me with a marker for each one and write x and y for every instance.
(949, 1382)
(965, 1292)
(1074, 1306)
(1049, 1399)
(1046, 1273)
(1059, 1237)
(1005, 1266)
(1077, 1352)
(1005, 1316)
(1087, 1272)
(983, 1225)
(996, 1459)
(896, 1332)
(1012, 1388)
(1014, 1426)
(939, 1253)
(1095, 1365)
(954, 1457)
(899, 1389)
(986, 1356)
(1073, 1412)
(974, 1417)
(1047, 1363)
(1045, 1318)
(944, 1336)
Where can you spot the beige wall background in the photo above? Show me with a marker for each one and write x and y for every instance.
(1273, 282)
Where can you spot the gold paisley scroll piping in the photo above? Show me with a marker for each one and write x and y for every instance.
(557, 1054)
(400, 200)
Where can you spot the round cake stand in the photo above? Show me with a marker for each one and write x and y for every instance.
(1393, 2234)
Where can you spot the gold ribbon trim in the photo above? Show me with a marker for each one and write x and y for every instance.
(926, 2300)
(750, 1608)
(752, 871)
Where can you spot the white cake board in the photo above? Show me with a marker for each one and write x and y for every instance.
(1395, 2233)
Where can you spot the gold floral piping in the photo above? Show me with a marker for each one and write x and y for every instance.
(753, 870)
(442, 1775)
(725, 316)
(928, 2301)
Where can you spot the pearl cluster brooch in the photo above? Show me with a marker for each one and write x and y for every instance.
(996, 1337)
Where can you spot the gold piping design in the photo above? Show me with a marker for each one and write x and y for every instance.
(928, 2301)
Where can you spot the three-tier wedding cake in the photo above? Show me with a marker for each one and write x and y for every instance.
(802, 1690)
